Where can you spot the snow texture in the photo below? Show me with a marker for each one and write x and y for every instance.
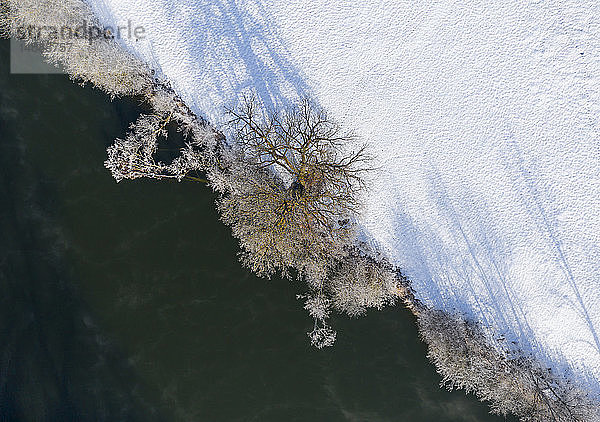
(483, 117)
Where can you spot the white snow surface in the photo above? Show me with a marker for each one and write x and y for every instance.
(483, 118)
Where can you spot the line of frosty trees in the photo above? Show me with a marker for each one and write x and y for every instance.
(289, 185)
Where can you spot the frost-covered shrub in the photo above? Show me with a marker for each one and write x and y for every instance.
(72, 38)
(360, 282)
(357, 283)
(322, 336)
(134, 156)
(318, 306)
(510, 381)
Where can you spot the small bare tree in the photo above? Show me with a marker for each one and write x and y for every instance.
(293, 197)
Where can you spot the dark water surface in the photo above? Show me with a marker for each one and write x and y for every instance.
(126, 302)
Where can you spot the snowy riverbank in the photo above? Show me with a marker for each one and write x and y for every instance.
(483, 119)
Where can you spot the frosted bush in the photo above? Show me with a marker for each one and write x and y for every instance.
(360, 282)
(134, 156)
(322, 336)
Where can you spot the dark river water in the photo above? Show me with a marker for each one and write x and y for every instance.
(125, 302)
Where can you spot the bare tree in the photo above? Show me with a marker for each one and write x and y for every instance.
(294, 200)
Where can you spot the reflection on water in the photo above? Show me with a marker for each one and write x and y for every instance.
(126, 302)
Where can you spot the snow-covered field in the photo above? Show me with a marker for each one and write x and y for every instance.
(484, 118)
